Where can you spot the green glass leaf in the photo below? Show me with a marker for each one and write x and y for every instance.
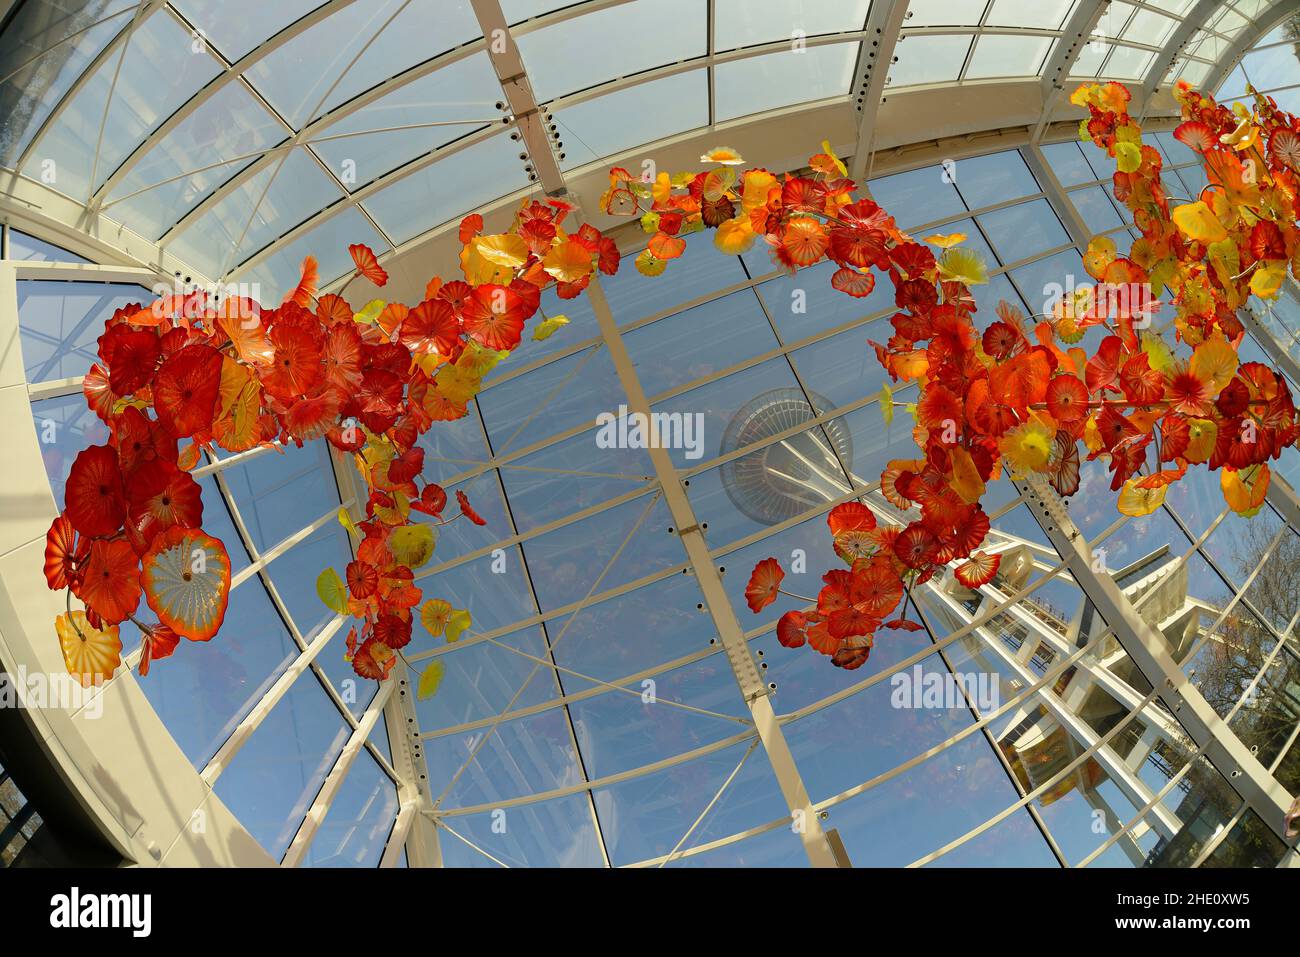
(412, 545)
(456, 624)
(547, 327)
(887, 404)
(1128, 157)
(370, 312)
(430, 678)
(332, 591)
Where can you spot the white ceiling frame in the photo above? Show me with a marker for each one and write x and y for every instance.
(142, 11)
(232, 72)
(315, 126)
(1056, 72)
(1177, 42)
(876, 56)
(356, 197)
(1262, 24)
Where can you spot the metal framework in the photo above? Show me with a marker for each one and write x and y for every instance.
(421, 816)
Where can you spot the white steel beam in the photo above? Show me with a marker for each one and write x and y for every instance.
(253, 720)
(884, 22)
(1149, 652)
(334, 780)
(1065, 53)
(752, 687)
(233, 72)
(1174, 46)
(1263, 23)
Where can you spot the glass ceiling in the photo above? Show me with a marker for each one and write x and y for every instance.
(297, 127)
(583, 600)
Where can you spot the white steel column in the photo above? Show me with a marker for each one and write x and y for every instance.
(877, 54)
(514, 81)
(1056, 72)
(732, 637)
(1149, 652)
(414, 829)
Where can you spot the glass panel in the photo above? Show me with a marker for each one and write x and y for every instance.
(1068, 163)
(672, 352)
(1002, 55)
(992, 179)
(448, 188)
(1009, 843)
(60, 323)
(1098, 212)
(572, 562)
(909, 816)
(618, 732)
(328, 242)
(1128, 63)
(709, 411)
(919, 197)
(359, 821)
(507, 602)
(1269, 69)
(47, 53)
(555, 71)
(698, 271)
(486, 679)
(31, 249)
(740, 23)
(279, 494)
(1022, 231)
(523, 756)
(275, 777)
(371, 142)
(230, 124)
(843, 368)
(924, 58)
(926, 13)
(453, 448)
(237, 26)
(1150, 28)
(204, 691)
(571, 476)
(646, 817)
(781, 79)
(1041, 283)
(86, 143)
(556, 833)
(544, 402)
(356, 48)
(775, 848)
(805, 303)
(1250, 844)
(605, 640)
(1043, 14)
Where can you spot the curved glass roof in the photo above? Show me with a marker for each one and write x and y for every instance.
(288, 129)
(592, 717)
